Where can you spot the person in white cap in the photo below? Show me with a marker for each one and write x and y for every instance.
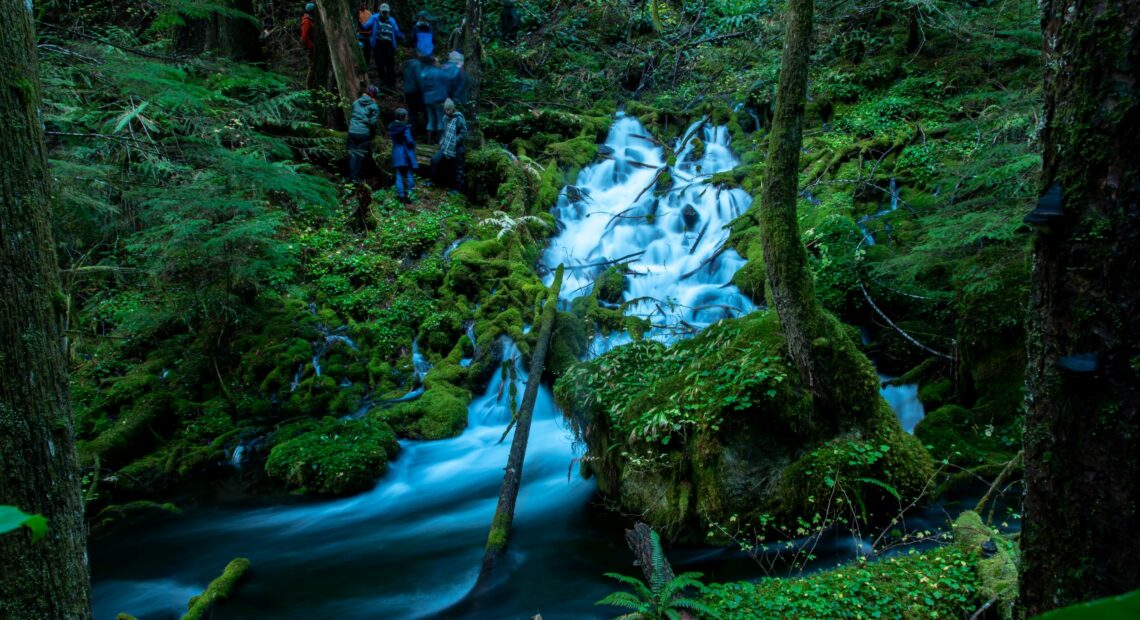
(385, 35)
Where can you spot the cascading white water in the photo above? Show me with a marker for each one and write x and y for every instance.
(679, 268)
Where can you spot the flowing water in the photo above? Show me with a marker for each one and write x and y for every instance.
(413, 545)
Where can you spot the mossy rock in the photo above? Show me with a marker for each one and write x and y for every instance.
(611, 285)
(133, 433)
(440, 413)
(967, 438)
(132, 514)
(336, 457)
(568, 343)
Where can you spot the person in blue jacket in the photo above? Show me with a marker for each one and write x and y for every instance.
(403, 154)
(433, 82)
(456, 78)
(385, 34)
(424, 34)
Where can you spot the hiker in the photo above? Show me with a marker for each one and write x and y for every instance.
(456, 78)
(364, 32)
(433, 85)
(308, 35)
(361, 129)
(455, 41)
(403, 154)
(424, 35)
(508, 21)
(447, 163)
(413, 92)
(385, 33)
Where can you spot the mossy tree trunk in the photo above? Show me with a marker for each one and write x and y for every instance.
(842, 383)
(1082, 466)
(473, 67)
(39, 471)
(512, 476)
(339, 25)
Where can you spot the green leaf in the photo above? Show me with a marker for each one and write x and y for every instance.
(1123, 607)
(12, 518)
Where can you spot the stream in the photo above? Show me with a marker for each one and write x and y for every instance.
(412, 546)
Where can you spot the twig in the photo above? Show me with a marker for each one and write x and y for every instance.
(900, 330)
(997, 482)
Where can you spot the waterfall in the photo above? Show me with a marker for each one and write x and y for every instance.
(679, 269)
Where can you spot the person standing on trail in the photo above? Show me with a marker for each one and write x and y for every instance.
(364, 33)
(433, 82)
(424, 34)
(308, 41)
(413, 92)
(385, 34)
(403, 154)
(508, 21)
(456, 78)
(447, 163)
(361, 129)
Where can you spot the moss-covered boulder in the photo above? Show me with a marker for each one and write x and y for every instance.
(440, 413)
(720, 425)
(333, 457)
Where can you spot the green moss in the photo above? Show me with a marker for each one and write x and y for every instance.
(915, 586)
(334, 457)
(997, 574)
(219, 590)
(440, 413)
(610, 285)
(568, 343)
(966, 437)
(130, 515)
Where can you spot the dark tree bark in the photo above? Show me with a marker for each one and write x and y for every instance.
(38, 465)
(232, 36)
(339, 25)
(473, 67)
(512, 476)
(1081, 532)
(842, 382)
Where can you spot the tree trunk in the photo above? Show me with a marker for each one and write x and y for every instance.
(1081, 524)
(235, 37)
(509, 491)
(841, 380)
(339, 25)
(473, 67)
(39, 471)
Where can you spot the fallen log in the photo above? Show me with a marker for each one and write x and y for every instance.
(512, 476)
(202, 606)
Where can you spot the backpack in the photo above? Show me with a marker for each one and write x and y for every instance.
(384, 31)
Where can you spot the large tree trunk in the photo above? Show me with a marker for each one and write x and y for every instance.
(512, 476)
(339, 25)
(473, 67)
(38, 464)
(1081, 532)
(841, 380)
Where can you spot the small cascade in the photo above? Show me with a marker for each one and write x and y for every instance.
(470, 331)
(893, 190)
(329, 339)
(296, 378)
(419, 363)
(904, 401)
(238, 456)
(680, 270)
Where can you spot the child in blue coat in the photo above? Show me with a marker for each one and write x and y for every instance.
(403, 154)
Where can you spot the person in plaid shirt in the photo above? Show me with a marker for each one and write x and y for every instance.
(447, 164)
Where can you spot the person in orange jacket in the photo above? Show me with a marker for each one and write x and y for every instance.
(308, 34)
(307, 26)
(364, 33)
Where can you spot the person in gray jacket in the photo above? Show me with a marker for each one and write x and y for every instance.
(361, 129)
